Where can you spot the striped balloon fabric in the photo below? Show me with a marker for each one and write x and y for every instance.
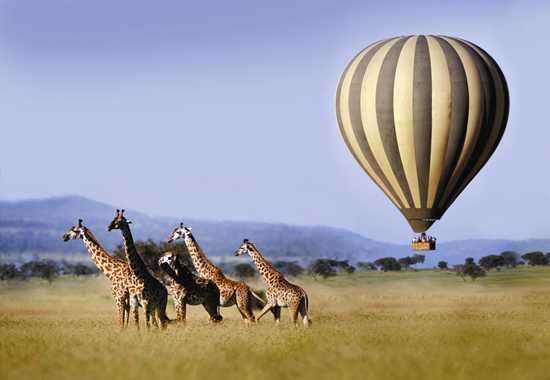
(422, 115)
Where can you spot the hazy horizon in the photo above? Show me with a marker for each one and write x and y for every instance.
(226, 111)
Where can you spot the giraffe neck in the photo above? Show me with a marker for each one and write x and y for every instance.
(170, 272)
(137, 266)
(203, 266)
(103, 261)
(185, 277)
(266, 270)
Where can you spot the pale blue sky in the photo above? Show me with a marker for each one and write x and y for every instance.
(224, 110)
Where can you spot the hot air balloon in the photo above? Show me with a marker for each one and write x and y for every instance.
(422, 115)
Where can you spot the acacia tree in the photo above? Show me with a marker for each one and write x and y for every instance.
(291, 268)
(388, 264)
(418, 259)
(366, 265)
(406, 262)
(9, 272)
(535, 258)
(45, 269)
(471, 269)
(511, 258)
(322, 268)
(244, 270)
(442, 265)
(491, 261)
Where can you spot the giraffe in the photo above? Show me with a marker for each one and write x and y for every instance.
(280, 292)
(231, 292)
(152, 295)
(189, 289)
(116, 270)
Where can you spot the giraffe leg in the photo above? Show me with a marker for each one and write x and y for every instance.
(120, 312)
(293, 313)
(134, 304)
(211, 307)
(266, 308)
(244, 304)
(160, 317)
(181, 311)
(153, 316)
(147, 309)
(277, 314)
(127, 309)
(163, 318)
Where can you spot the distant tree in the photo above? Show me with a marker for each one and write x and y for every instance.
(45, 269)
(323, 268)
(535, 258)
(459, 270)
(244, 270)
(510, 258)
(442, 265)
(388, 264)
(291, 268)
(406, 262)
(365, 266)
(471, 269)
(80, 269)
(118, 252)
(418, 259)
(9, 272)
(345, 266)
(491, 261)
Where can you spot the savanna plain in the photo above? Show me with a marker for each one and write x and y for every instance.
(410, 325)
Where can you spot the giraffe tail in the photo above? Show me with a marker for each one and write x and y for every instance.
(258, 298)
(307, 320)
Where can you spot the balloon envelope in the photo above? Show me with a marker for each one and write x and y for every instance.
(422, 115)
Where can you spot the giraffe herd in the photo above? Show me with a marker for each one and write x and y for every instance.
(134, 286)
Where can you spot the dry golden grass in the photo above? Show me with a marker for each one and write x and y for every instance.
(425, 325)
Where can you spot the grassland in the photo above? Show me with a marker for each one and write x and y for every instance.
(414, 325)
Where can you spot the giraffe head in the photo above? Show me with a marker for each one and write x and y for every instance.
(246, 247)
(180, 232)
(75, 232)
(168, 258)
(119, 221)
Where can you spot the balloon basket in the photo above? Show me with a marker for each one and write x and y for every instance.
(423, 246)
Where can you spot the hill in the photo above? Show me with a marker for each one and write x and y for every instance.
(36, 226)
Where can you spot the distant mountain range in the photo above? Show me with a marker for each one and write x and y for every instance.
(36, 226)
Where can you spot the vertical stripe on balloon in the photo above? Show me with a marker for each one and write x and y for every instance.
(385, 87)
(370, 119)
(422, 116)
(459, 116)
(403, 101)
